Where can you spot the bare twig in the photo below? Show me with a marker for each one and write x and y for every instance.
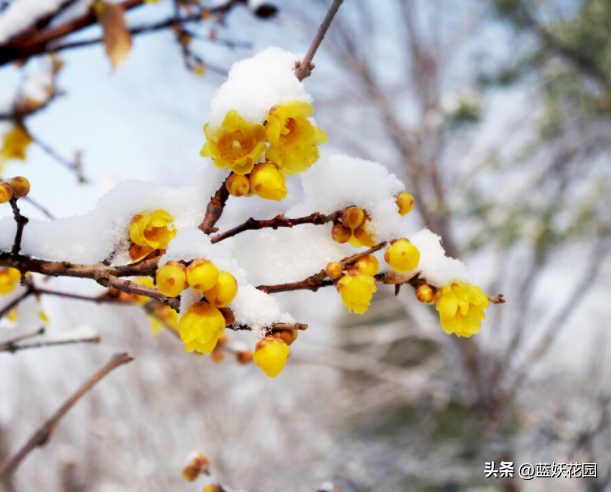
(6, 346)
(21, 222)
(42, 436)
(39, 207)
(12, 348)
(278, 221)
(214, 210)
(75, 166)
(305, 67)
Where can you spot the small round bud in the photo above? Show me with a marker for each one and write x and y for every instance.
(212, 488)
(341, 234)
(334, 270)
(20, 186)
(238, 185)
(195, 467)
(402, 256)
(228, 315)
(405, 202)
(368, 265)
(172, 279)
(222, 340)
(244, 357)
(362, 237)
(425, 294)
(202, 275)
(6, 192)
(353, 217)
(287, 336)
(271, 355)
(217, 355)
(268, 182)
(223, 292)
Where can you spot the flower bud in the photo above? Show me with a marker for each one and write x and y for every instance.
(223, 292)
(217, 355)
(228, 315)
(287, 336)
(6, 192)
(362, 237)
(353, 217)
(195, 467)
(334, 270)
(341, 234)
(9, 277)
(172, 279)
(212, 488)
(244, 357)
(237, 185)
(200, 327)
(405, 202)
(425, 294)
(20, 186)
(367, 265)
(222, 340)
(202, 275)
(271, 355)
(268, 182)
(402, 256)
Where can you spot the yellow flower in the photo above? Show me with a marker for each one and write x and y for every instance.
(425, 294)
(238, 185)
(164, 316)
(153, 230)
(405, 202)
(271, 355)
(354, 220)
(14, 143)
(293, 139)
(172, 279)
(461, 308)
(20, 186)
(334, 270)
(368, 265)
(6, 192)
(146, 282)
(223, 292)
(236, 145)
(268, 182)
(357, 290)
(9, 277)
(402, 256)
(200, 327)
(202, 275)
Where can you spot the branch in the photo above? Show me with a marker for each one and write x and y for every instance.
(21, 222)
(13, 341)
(278, 221)
(306, 66)
(12, 347)
(43, 434)
(75, 166)
(214, 210)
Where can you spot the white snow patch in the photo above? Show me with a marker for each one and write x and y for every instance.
(22, 14)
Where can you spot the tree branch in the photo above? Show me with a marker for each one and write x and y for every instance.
(12, 347)
(42, 436)
(21, 222)
(305, 67)
(214, 210)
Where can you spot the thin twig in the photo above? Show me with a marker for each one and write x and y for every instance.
(43, 434)
(75, 166)
(214, 210)
(49, 343)
(278, 221)
(39, 207)
(4, 346)
(305, 67)
(21, 222)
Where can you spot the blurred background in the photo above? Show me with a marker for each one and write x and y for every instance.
(497, 116)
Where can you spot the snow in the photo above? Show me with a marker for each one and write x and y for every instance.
(338, 181)
(82, 333)
(94, 236)
(257, 84)
(326, 487)
(22, 14)
(437, 268)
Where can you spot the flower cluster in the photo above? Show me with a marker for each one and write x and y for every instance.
(150, 232)
(351, 227)
(258, 169)
(17, 187)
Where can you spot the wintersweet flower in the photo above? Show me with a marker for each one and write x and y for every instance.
(202, 275)
(200, 327)
(6, 192)
(268, 182)
(293, 139)
(8, 280)
(357, 290)
(461, 308)
(405, 202)
(154, 230)
(238, 185)
(172, 279)
(271, 355)
(223, 292)
(402, 256)
(14, 144)
(20, 186)
(163, 316)
(425, 294)
(236, 145)
(367, 265)
(353, 229)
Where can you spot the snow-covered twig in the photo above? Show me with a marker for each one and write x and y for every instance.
(42, 435)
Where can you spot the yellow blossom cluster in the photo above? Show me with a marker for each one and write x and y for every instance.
(17, 187)
(258, 168)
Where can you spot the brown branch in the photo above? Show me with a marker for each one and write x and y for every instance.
(12, 348)
(305, 67)
(278, 221)
(75, 166)
(39, 207)
(42, 436)
(21, 222)
(214, 210)
(14, 303)
(6, 346)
